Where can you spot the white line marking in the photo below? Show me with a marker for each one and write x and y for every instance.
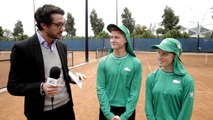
(3, 90)
(208, 92)
(82, 64)
(148, 64)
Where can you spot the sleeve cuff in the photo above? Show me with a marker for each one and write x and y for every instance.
(41, 89)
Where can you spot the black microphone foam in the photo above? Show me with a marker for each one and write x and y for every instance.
(55, 72)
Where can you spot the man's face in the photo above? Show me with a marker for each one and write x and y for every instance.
(117, 40)
(57, 26)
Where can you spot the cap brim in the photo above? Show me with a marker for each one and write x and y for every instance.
(155, 46)
(112, 27)
(162, 47)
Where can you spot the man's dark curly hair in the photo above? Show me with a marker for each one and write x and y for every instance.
(43, 14)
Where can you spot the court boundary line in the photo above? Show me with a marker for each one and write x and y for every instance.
(184, 53)
(150, 69)
(81, 64)
(208, 92)
(5, 89)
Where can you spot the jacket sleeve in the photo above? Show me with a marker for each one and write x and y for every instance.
(187, 100)
(101, 91)
(134, 92)
(19, 79)
(149, 99)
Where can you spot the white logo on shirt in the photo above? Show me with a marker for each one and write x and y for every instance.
(176, 81)
(191, 94)
(127, 69)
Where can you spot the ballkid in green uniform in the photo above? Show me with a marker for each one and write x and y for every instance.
(169, 89)
(119, 77)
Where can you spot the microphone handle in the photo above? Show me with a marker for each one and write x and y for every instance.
(52, 99)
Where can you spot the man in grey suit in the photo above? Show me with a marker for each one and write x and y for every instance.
(31, 61)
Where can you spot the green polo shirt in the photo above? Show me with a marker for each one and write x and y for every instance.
(169, 96)
(118, 83)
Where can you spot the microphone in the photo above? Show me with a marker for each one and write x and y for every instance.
(55, 72)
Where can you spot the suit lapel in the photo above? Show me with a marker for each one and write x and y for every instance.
(61, 54)
(38, 56)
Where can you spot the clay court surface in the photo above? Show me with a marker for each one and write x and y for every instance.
(86, 106)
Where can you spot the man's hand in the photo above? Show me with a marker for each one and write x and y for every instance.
(116, 117)
(80, 76)
(51, 90)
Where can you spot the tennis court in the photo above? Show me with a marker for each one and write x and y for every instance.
(199, 65)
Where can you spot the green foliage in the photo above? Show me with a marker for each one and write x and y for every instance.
(148, 34)
(127, 20)
(22, 37)
(173, 34)
(69, 27)
(139, 30)
(8, 34)
(160, 31)
(102, 35)
(2, 38)
(18, 30)
(185, 35)
(142, 32)
(170, 21)
(1, 32)
(97, 24)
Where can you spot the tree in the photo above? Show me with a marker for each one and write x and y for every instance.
(18, 30)
(69, 27)
(160, 31)
(1, 32)
(8, 33)
(138, 31)
(185, 35)
(102, 35)
(127, 20)
(97, 24)
(148, 34)
(170, 21)
(173, 34)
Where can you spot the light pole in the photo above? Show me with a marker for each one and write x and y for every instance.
(212, 18)
(198, 37)
(116, 12)
(34, 13)
(86, 31)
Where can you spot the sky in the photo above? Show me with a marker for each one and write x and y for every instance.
(145, 12)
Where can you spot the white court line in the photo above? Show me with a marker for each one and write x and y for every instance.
(5, 89)
(148, 64)
(82, 64)
(184, 53)
(203, 92)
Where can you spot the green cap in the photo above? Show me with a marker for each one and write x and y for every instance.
(124, 30)
(170, 45)
(173, 45)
